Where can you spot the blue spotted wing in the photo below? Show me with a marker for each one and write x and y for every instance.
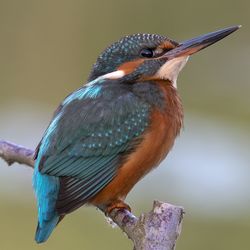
(92, 131)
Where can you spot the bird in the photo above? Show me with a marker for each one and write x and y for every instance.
(112, 131)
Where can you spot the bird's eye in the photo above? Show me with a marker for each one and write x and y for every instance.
(147, 53)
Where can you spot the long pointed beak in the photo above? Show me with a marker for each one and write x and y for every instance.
(194, 45)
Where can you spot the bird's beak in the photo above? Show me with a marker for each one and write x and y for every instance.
(194, 45)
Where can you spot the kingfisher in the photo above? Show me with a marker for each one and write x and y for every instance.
(108, 134)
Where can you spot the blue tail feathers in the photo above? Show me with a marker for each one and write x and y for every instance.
(46, 189)
(45, 228)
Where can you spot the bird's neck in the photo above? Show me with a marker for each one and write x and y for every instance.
(172, 100)
(162, 96)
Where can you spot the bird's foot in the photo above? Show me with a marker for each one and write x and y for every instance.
(119, 205)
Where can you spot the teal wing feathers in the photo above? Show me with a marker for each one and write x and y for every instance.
(87, 140)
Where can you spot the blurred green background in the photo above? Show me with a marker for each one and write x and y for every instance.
(47, 49)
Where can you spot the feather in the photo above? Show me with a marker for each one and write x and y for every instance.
(83, 148)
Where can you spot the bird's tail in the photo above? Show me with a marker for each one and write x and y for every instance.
(46, 189)
(45, 228)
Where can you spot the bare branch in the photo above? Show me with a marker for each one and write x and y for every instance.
(12, 153)
(156, 230)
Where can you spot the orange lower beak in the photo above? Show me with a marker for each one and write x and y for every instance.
(194, 45)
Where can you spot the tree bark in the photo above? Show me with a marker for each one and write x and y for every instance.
(156, 230)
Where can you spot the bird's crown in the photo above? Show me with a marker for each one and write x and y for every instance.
(132, 48)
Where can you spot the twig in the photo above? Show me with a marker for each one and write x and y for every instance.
(156, 230)
(12, 153)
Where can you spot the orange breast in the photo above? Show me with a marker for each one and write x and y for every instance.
(157, 141)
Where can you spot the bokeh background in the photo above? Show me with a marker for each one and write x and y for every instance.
(47, 49)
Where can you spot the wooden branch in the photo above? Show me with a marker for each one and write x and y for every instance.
(156, 230)
(12, 153)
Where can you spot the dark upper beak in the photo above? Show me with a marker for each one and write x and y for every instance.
(194, 45)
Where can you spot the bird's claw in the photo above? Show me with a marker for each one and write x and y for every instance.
(118, 205)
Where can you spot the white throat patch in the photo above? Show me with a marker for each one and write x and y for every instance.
(171, 69)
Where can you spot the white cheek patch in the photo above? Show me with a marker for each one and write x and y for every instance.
(114, 75)
(171, 69)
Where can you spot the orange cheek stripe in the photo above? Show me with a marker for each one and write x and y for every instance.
(129, 67)
(167, 45)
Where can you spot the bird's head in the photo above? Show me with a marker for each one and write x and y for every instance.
(148, 56)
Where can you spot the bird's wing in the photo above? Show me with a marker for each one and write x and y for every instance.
(87, 140)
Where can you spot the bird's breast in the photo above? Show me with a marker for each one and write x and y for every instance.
(165, 124)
